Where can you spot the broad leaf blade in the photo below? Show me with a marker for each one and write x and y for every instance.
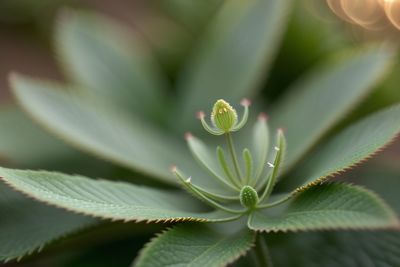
(106, 199)
(195, 245)
(99, 55)
(319, 101)
(27, 226)
(234, 55)
(26, 144)
(97, 128)
(329, 206)
(353, 145)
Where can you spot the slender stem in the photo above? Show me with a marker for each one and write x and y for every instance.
(249, 165)
(275, 166)
(215, 195)
(224, 164)
(188, 185)
(262, 254)
(233, 155)
(276, 203)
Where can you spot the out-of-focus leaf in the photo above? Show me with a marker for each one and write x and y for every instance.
(329, 206)
(191, 13)
(100, 129)
(325, 96)
(234, 55)
(353, 145)
(195, 245)
(103, 58)
(109, 200)
(27, 226)
(24, 143)
(353, 249)
(338, 249)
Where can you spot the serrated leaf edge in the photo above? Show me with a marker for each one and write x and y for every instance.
(136, 220)
(150, 243)
(395, 220)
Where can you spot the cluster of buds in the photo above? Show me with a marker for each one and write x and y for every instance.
(253, 188)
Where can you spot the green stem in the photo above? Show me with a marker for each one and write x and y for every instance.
(188, 185)
(263, 257)
(224, 165)
(232, 151)
(276, 203)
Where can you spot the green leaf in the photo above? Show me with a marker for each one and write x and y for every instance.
(102, 130)
(28, 226)
(106, 61)
(329, 206)
(234, 55)
(109, 200)
(337, 249)
(195, 245)
(208, 161)
(24, 143)
(322, 98)
(353, 145)
(260, 144)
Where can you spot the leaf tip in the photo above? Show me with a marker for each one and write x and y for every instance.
(245, 102)
(188, 136)
(173, 169)
(263, 116)
(200, 115)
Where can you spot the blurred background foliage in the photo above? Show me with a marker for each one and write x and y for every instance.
(171, 29)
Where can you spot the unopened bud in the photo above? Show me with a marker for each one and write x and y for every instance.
(224, 116)
(248, 197)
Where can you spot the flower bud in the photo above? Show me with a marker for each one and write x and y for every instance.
(248, 197)
(223, 116)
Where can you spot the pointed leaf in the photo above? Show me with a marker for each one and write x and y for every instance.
(329, 206)
(27, 226)
(260, 144)
(100, 56)
(353, 145)
(106, 199)
(100, 129)
(318, 102)
(208, 161)
(24, 143)
(195, 245)
(234, 55)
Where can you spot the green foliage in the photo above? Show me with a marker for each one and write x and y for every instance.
(195, 245)
(332, 89)
(103, 59)
(106, 199)
(329, 206)
(117, 108)
(337, 249)
(23, 142)
(27, 226)
(99, 127)
(353, 145)
(235, 53)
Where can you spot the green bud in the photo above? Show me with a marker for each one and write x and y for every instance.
(248, 197)
(223, 116)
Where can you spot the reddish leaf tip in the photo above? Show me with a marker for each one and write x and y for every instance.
(245, 102)
(263, 116)
(188, 135)
(173, 168)
(200, 115)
